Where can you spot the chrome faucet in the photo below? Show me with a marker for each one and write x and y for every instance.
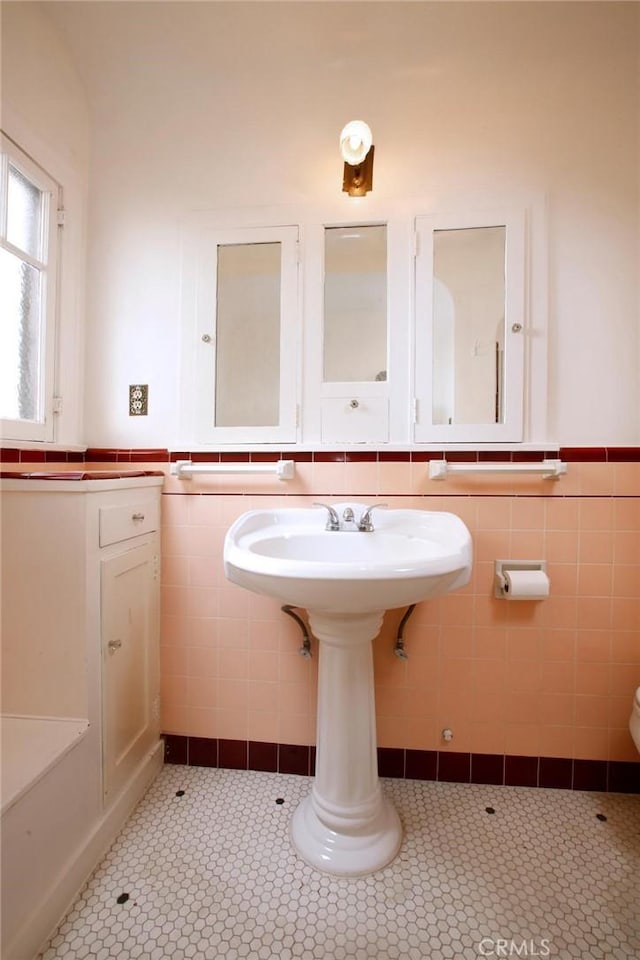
(365, 524)
(333, 522)
(348, 521)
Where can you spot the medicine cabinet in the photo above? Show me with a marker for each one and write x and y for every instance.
(241, 304)
(353, 394)
(469, 327)
(401, 330)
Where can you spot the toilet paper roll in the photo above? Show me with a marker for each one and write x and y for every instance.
(526, 584)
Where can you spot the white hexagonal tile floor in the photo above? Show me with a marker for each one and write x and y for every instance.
(204, 869)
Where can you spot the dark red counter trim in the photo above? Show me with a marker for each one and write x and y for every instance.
(79, 474)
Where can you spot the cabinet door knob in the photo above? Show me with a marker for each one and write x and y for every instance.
(137, 516)
(114, 645)
(354, 404)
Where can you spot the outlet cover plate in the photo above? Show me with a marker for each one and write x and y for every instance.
(139, 400)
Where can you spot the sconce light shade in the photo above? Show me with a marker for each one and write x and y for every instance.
(355, 141)
(356, 147)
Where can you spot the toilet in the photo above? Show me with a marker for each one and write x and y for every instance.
(634, 719)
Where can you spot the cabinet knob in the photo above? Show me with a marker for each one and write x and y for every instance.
(114, 645)
(137, 516)
(354, 404)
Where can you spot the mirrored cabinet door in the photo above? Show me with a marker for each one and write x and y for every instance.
(354, 405)
(247, 355)
(246, 336)
(355, 304)
(470, 328)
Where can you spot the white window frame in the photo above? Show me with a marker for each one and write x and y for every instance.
(200, 259)
(42, 429)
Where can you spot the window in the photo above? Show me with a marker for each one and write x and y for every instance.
(28, 266)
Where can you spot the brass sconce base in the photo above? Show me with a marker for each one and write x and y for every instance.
(357, 179)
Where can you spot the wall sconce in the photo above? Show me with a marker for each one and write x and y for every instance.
(356, 147)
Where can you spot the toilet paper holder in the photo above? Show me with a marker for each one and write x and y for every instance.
(502, 567)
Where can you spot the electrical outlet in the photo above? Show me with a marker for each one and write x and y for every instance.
(139, 400)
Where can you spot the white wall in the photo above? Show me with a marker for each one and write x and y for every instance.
(221, 105)
(44, 109)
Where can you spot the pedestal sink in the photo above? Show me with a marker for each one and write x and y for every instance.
(346, 579)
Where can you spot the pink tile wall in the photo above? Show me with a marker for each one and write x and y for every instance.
(552, 678)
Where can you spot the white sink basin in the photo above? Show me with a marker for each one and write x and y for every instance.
(288, 554)
(346, 579)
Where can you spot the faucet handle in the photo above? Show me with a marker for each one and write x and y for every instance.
(333, 523)
(365, 524)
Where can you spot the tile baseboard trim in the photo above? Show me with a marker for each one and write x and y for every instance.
(608, 776)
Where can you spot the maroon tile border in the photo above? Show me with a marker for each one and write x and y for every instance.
(234, 457)
(454, 767)
(421, 764)
(200, 457)
(233, 754)
(391, 762)
(123, 455)
(424, 456)
(266, 456)
(329, 456)
(10, 455)
(622, 454)
(445, 766)
(623, 777)
(13, 455)
(361, 456)
(35, 456)
(584, 454)
(202, 752)
(487, 768)
(294, 759)
(463, 456)
(300, 456)
(176, 749)
(521, 771)
(263, 756)
(388, 456)
(498, 456)
(589, 774)
(555, 772)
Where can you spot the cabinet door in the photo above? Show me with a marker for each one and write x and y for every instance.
(241, 294)
(470, 327)
(129, 592)
(354, 387)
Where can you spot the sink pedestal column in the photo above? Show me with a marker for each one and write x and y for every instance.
(346, 826)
